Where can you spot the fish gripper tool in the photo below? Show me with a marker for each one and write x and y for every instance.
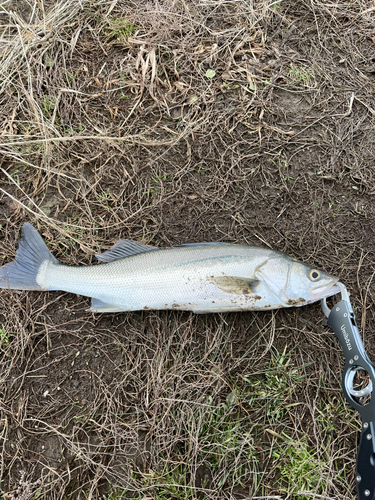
(342, 320)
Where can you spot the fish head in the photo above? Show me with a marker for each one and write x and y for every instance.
(307, 284)
(293, 283)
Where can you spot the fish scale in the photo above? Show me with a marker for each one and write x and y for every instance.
(133, 286)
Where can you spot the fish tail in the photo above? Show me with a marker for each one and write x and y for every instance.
(27, 271)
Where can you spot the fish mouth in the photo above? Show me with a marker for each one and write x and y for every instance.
(327, 291)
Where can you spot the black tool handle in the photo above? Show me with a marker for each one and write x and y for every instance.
(365, 471)
(342, 321)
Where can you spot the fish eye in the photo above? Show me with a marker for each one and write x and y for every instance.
(314, 274)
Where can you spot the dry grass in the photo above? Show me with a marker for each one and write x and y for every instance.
(173, 122)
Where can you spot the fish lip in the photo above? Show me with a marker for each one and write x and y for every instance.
(328, 290)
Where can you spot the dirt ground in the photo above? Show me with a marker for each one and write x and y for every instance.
(173, 122)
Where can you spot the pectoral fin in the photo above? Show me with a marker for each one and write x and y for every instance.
(234, 284)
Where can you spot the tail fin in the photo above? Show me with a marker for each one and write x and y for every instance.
(21, 274)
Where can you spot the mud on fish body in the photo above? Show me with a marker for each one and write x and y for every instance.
(198, 277)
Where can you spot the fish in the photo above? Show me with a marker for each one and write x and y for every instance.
(198, 277)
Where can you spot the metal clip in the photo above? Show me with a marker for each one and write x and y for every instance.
(344, 296)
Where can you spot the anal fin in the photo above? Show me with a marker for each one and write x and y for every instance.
(102, 307)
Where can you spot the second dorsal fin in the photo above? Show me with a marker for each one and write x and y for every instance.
(203, 244)
(122, 249)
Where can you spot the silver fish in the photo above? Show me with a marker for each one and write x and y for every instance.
(199, 277)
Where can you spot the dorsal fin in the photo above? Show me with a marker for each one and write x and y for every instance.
(122, 249)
